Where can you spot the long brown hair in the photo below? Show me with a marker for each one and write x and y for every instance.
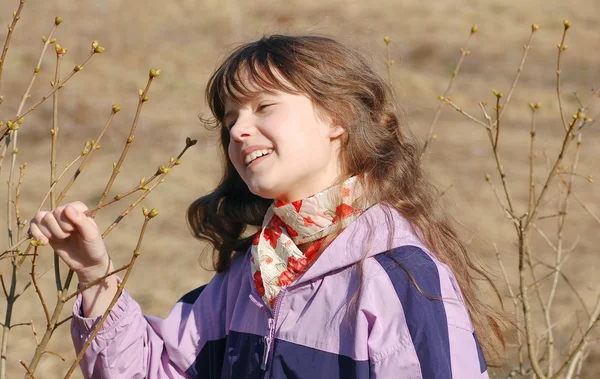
(341, 84)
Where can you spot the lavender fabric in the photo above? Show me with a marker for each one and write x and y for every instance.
(319, 328)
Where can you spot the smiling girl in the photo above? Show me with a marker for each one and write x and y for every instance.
(334, 257)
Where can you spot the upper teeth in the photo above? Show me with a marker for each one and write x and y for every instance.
(255, 154)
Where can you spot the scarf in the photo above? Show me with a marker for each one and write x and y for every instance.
(276, 260)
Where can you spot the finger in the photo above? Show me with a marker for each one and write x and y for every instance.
(84, 225)
(51, 225)
(38, 217)
(37, 234)
(78, 205)
(63, 221)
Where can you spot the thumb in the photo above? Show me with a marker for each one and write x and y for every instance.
(82, 223)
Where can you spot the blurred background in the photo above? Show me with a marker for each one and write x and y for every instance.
(187, 39)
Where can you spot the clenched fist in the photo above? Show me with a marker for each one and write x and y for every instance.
(76, 239)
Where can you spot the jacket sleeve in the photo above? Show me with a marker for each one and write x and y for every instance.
(420, 325)
(130, 345)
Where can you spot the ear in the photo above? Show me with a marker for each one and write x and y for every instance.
(337, 129)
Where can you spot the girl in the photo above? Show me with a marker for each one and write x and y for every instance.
(354, 271)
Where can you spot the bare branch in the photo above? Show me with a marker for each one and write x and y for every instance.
(463, 53)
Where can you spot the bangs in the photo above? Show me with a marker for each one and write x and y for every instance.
(249, 71)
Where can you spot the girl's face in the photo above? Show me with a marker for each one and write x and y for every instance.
(281, 148)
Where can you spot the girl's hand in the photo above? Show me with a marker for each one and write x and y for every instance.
(76, 239)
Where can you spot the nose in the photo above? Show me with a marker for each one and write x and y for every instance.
(243, 128)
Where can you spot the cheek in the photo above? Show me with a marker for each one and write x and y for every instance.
(234, 155)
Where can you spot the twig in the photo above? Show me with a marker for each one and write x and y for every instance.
(567, 139)
(531, 348)
(515, 304)
(494, 143)
(62, 322)
(578, 357)
(585, 207)
(561, 47)
(559, 251)
(446, 190)
(64, 171)
(463, 53)
(582, 342)
(94, 146)
(464, 113)
(20, 223)
(4, 132)
(143, 97)
(11, 29)
(164, 171)
(120, 288)
(37, 342)
(534, 108)
(93, 283)
(37, 288)
(55, 354)
(27, 369)
(526, 49)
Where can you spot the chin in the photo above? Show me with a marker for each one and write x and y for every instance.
(263, 191)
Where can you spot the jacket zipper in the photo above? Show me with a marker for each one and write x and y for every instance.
(268, 339)
(272, 324)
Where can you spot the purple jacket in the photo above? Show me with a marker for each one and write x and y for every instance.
(224, 330)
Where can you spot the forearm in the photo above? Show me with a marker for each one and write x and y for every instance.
(97, 298)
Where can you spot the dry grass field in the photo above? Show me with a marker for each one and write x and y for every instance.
(187, 38)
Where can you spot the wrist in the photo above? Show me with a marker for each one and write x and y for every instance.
(93, 273)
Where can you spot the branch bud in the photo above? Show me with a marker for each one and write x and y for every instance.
(155, 73)
(190, 142)
(474, 29)
(488, 177)
(77, 68)
(36, 70)
(118, 197)
(177, 162)
(163, 169)
(590, 179)
(387, 40)
(534, 27)
(116, 108)
(129, 139)
(95, 44)
(57, 21)
(145, 211)
(136, 253)
(153, 213)
(144, 99)
(53, 40)
(143, 180)
(567, 24)
(44, 39)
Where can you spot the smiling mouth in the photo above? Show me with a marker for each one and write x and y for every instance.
(257, 154)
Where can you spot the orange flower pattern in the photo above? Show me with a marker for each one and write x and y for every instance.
(276, 260)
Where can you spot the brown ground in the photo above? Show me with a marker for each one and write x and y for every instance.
(186, 38)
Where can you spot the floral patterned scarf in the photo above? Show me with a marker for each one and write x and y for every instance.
(276, 259)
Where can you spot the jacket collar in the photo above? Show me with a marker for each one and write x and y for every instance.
(379, 229)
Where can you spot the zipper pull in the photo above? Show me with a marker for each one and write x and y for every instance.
(267, 344)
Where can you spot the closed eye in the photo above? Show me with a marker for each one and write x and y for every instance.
(261, 107)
